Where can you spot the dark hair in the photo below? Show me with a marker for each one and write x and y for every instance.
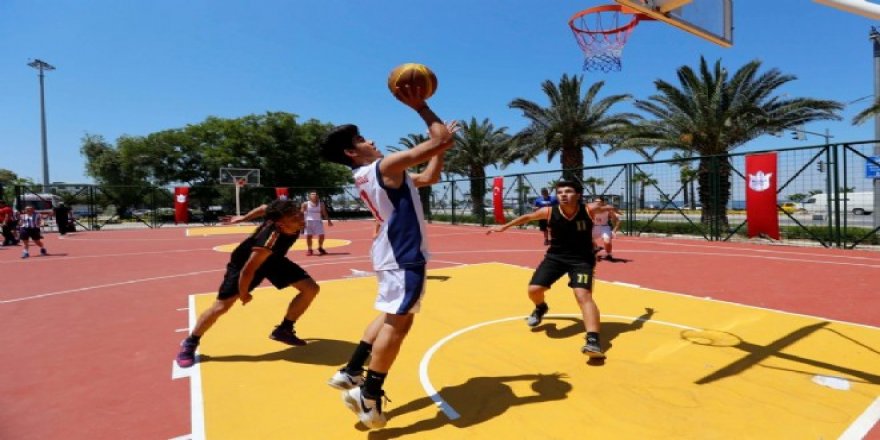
(279, 209)
(339, 139)
(570, 184)
(545, 191)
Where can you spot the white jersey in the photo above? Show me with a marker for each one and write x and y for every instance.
(600, 218)
(313, 211)
(402, 241)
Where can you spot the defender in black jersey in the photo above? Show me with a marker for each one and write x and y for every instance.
(260, 256)
(571, 252)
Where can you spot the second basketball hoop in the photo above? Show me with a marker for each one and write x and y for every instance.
(601, 32)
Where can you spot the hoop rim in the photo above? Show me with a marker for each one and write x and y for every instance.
(637, 16)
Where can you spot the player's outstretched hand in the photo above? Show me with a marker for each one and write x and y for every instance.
(495, 229)
(232, 220)
(245, 298)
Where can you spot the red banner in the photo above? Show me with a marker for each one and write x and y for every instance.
(761, 212)
(498, 200)
(181, 204)
(281, 193)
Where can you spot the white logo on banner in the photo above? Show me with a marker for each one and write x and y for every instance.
(759, 181)
(181, 198)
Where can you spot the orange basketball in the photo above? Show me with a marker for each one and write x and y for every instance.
(416, 76)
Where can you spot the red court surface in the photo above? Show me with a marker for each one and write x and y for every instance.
(90, 331)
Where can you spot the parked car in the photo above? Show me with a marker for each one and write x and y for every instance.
(855, 202)
(790, 207)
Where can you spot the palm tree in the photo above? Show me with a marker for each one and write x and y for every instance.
(593, 183)
(478, 145)
(569, 124)
(868, 113)
(712, 113)
(643, 180)
(686, 176)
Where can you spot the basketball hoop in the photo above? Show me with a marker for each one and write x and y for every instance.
(601, 32)
(241, 182)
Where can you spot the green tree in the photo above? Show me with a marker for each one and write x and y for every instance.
(594, 182)
(686, 175)
(643, 180)
(712, 112)
(867, 113)
(478, 145)
(569, 124)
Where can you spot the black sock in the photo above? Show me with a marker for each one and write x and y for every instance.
(359, 358)
(373, 384)
(194, 339)
(543, 307)
(593, 337)
(286, 324)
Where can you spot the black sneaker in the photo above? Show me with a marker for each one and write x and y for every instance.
(286, 336)
(592, 349)
(537, 316)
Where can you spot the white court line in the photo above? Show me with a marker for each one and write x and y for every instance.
(426, 359)
(863, 424)
(82, 257)
(197, 405)
(101, 286)
(180, 330)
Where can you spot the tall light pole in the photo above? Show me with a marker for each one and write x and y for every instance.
(874, 36)
(43, 66)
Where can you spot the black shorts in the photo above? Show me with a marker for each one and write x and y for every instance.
(280, 271)
(30, 234)
(542, 225)
(580, 272)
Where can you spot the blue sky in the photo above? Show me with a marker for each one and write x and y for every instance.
(139, 67)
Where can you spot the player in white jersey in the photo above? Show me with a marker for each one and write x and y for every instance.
(399, 250)
(603, 234)
(315, 213)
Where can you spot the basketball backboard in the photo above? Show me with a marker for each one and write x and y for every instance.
(237, 176)
(708, 19)
(860, 7)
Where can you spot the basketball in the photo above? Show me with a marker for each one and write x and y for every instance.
(416, 76)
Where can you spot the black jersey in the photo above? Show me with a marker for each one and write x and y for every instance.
(266, 236)
(571, 237)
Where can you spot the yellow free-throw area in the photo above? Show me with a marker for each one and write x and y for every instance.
(677, 367)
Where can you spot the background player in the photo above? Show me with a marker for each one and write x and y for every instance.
(603, 234)
(315, 213)
(544, 201)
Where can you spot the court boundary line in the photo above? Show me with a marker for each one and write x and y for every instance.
(864, 423)
(194, 373)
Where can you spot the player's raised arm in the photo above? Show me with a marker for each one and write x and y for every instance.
(439, 140)
(540, 214)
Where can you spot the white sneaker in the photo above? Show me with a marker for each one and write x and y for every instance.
(369, 411)
(344, 381)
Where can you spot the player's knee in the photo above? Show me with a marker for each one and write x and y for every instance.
(310, 288)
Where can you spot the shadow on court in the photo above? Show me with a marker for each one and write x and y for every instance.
(330, 352)
(756, 354)
(478, 400)
(610, 330)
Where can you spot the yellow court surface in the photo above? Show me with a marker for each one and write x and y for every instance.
(677, 367)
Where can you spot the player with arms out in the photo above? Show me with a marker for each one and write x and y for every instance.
(260, 256)
(571, 253)
(399, 250)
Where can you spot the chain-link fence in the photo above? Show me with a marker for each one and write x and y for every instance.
(827, 195)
